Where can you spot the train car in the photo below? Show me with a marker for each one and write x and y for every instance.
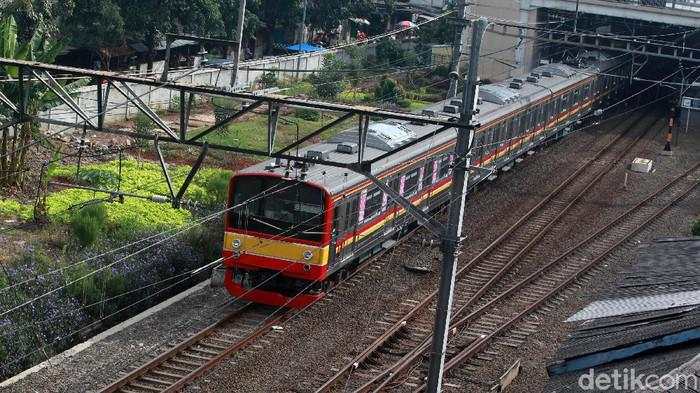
(291, 229)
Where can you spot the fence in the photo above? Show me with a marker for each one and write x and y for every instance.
(119, 108)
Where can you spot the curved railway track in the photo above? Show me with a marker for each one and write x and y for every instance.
(410, 329)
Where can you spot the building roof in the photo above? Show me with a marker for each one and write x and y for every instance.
(649, 321)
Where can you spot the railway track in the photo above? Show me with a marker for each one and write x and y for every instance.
(188, 360)
(411, 327)
(193, 357)
(488, 321)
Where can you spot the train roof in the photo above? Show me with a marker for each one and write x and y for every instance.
(496, 101)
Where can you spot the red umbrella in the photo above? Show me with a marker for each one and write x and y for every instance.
(406, 24)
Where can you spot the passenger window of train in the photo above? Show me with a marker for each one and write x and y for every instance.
(373, 204)
(428, 174)
(444, 167)
(394, 184)
(411, 183)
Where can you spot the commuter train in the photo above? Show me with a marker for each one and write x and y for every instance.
(292, 229)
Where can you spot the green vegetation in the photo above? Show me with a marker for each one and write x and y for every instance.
(92, 290)
(88, 222)
(328, 83)
(247, 134)
(12, 209)
(696, 228)
(268, 79)
(307, 114)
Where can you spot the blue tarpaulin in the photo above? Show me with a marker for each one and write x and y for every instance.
(304, 48)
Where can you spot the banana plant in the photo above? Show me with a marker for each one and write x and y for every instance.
(17, 138)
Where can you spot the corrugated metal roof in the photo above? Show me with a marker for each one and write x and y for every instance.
(632, 305)
(649, 320)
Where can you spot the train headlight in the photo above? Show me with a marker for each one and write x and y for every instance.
(236, 243)
(308, 255)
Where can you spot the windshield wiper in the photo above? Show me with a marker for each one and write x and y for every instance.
(265, 223)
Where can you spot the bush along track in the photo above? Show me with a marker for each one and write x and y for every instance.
(83, 226)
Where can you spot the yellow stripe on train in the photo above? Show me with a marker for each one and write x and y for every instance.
(288, 251)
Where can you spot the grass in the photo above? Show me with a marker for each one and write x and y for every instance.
(11, 209)
(135, 215)
(417, 105)
(252, 133)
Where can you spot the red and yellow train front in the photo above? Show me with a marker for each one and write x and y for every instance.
(276, 245)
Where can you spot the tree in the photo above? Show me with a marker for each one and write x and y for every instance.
(328, 82)
(149, 20)
(96, 25)
(15, 139)
(32, 14)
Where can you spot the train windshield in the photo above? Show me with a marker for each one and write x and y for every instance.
(278, 207)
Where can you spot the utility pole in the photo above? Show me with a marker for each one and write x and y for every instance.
(576, 17)
(239, 40)
(458, 194)
(460, 45)
(302, 36)
(302, 27)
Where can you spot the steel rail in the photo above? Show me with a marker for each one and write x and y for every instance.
(400, 324)
(122, 385)
(422, 347)
(477, 345)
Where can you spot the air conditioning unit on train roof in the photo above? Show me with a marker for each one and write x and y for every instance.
(346, 148)
(318, 154)
(532, 79)
(450, 109)
(515, 85)
(546, 74)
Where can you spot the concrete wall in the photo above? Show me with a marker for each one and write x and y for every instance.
(120, 109)
(496, 48)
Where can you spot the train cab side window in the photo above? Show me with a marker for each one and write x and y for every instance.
(352, 212)
(373, 204)
(339, 218)
(411, 183)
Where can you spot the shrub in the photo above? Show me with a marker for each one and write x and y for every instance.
(390, 52)
(388, 91)
(268, 79)
(99, 177)
(307, 114)
(217, 185)
(88, 222)
(403, 103)
(143, 124)
(696, 228)
(328, 83)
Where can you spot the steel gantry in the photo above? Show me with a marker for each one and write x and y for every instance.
(126, 85)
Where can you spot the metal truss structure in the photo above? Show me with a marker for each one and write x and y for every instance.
(33, 72)
(646, 47)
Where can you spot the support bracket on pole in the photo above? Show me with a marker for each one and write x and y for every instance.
(56, 88)
(130, 94)
(273, 113)
(195, 168)
(164, 167)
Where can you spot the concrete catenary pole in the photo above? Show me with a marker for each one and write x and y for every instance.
(453, 231)
(461, 45)
(239, 41)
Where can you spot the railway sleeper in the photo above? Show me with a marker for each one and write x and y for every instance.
(168, 375)
(155, 380)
